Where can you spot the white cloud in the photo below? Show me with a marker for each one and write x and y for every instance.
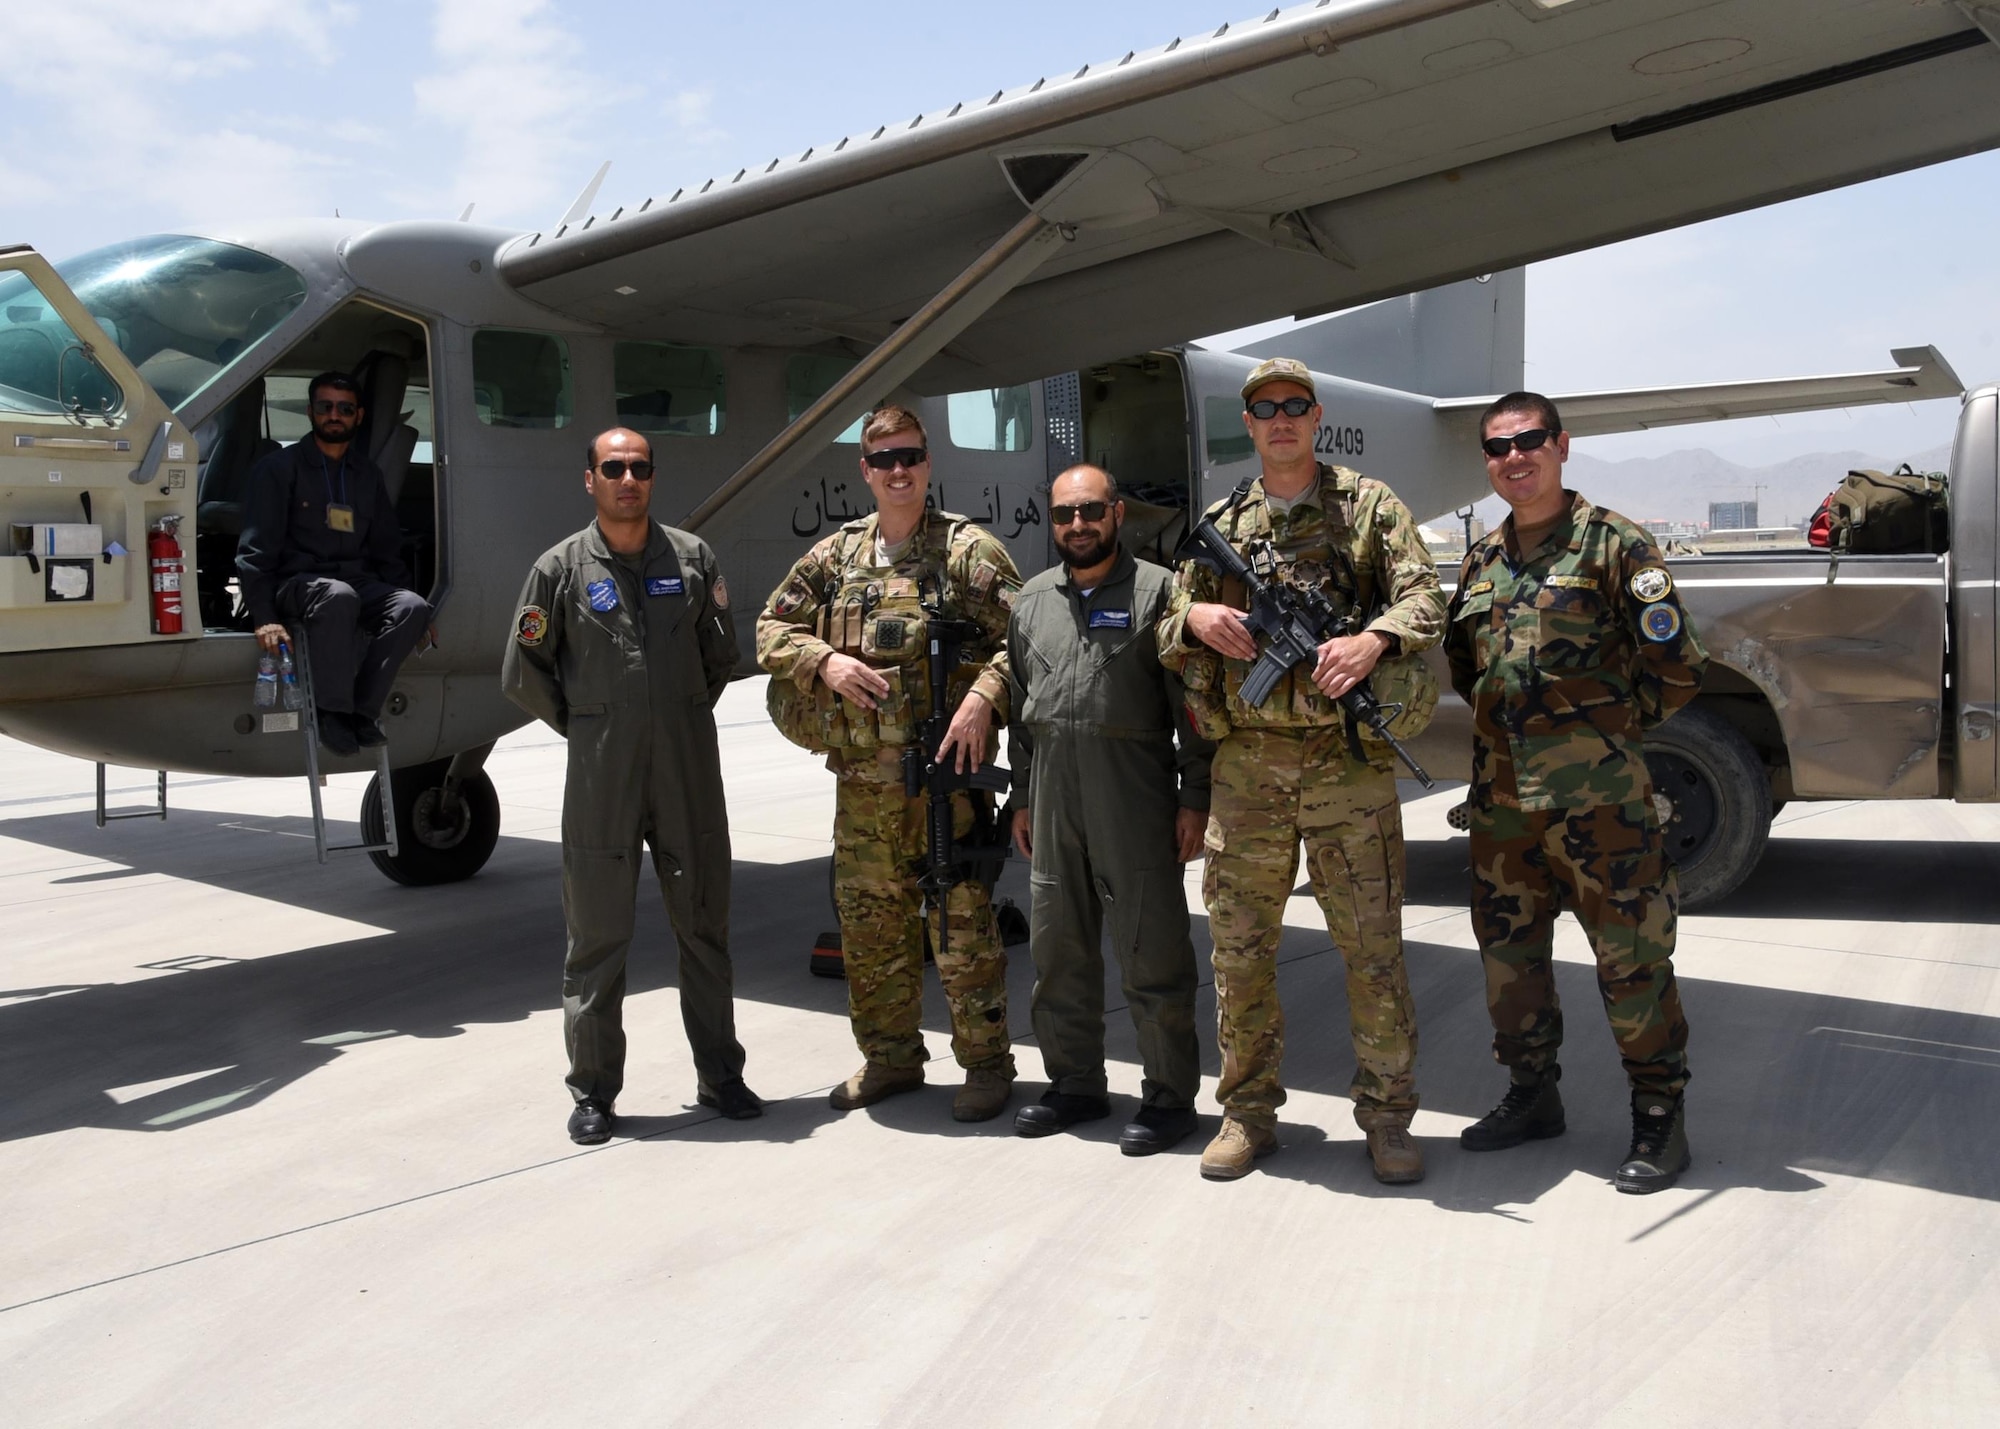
(101, 116)
(516, 89)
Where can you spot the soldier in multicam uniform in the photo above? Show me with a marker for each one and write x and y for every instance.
(1568, 641)
(843, 640)
(1285, 771)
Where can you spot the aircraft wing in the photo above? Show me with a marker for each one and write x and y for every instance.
(1920, 373)
(1300, 162)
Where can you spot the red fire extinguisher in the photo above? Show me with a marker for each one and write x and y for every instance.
(163, 550)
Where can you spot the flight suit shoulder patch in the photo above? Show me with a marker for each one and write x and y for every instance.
(1661, 623)
(532, 625)
(1651, 583)
(721, 591)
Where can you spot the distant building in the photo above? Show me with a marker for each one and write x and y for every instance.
(1665, 530)
(1732, 515)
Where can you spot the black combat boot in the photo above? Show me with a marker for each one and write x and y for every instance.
(1659, 1144)
(1532, 1110)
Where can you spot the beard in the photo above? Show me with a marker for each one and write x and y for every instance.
(334, 431)
(1081, 555)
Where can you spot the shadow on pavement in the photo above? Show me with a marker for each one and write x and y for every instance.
(1786, 1084)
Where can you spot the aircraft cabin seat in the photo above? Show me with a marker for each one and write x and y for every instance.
(230, 444)
(390, 440)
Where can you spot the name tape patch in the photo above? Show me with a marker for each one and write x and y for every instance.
(663, 585)
(1110, 620)
(1572, 582)
(1661, 622)
(603, 595)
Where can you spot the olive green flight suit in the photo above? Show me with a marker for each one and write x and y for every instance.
(1092, 748)
(626, 656)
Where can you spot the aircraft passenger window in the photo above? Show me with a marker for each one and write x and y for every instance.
(45, 370)
(1222, 421)
(994, 419)
(808, 377)
(520, 379)
(668, 390)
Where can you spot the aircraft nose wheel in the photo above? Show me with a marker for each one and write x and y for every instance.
(441, 838)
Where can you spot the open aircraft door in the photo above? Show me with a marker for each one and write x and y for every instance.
(92, 460)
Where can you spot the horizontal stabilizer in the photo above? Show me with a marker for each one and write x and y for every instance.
(1921, 373)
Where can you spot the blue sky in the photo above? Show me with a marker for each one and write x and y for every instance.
(120, 117)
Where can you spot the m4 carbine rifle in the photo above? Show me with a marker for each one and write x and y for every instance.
(1294, 624)
(950, 861)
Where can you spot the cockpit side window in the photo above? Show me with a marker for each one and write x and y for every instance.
(46, 370)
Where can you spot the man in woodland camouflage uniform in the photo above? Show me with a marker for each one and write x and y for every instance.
(1567, 639)
(843, 640)
(1285, 771)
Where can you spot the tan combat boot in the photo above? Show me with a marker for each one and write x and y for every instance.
(874, 1082)
(1235, 1147)
(985, 1092)
(1398, 1159)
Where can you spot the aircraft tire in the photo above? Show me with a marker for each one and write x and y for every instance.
(435, 844)
(1720, 798)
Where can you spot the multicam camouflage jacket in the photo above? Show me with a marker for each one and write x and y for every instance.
(837, 599)
(1352, 537)
(1567, 656)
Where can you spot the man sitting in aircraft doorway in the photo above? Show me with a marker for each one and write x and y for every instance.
(321, 545)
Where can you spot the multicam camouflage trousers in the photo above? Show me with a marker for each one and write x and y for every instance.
(1607, 866)
(1272, 789)
(878, 855)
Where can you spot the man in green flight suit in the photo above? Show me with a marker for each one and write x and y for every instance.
(1567, 639)
(843, 640)
(623, 644)
(1285, 772)
(1107, 814)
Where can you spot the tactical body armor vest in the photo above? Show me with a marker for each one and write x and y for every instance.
(1309, 546)
(875, 614)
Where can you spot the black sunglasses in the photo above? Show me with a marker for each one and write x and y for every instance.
(1083, 510)
(615, 470)
(1530, 440)
(1265, 408)
(324, 408)
(889, 458)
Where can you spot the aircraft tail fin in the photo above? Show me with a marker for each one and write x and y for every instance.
(1454, 341)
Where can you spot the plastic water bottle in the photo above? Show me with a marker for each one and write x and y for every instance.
(288, 679)
(267, 682)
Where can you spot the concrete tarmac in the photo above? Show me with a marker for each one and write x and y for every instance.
(284, 1144)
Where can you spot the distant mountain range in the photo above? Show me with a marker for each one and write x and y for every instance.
(1680, 485)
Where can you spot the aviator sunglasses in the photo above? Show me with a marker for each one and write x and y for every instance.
(1530, 440)
(616, 470)
(324, 408)
(1084, 511)
(889, 458)
(1265, 408)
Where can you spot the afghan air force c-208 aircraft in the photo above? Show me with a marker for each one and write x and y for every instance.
(1331, 155)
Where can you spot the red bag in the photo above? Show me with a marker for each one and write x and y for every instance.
(1820, 533)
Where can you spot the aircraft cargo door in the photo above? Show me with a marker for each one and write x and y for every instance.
(91, 458)
(1135, 426)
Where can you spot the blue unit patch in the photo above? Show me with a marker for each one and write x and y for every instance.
(603, 595)
(1661, 622)
(1110, 620)
(663, 585)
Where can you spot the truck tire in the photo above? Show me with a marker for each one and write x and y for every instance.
(1717, 813)
(439, 839)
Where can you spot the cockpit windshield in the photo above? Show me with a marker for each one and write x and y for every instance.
(182, 309)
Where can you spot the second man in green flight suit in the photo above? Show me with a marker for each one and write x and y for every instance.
(1107, 813)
